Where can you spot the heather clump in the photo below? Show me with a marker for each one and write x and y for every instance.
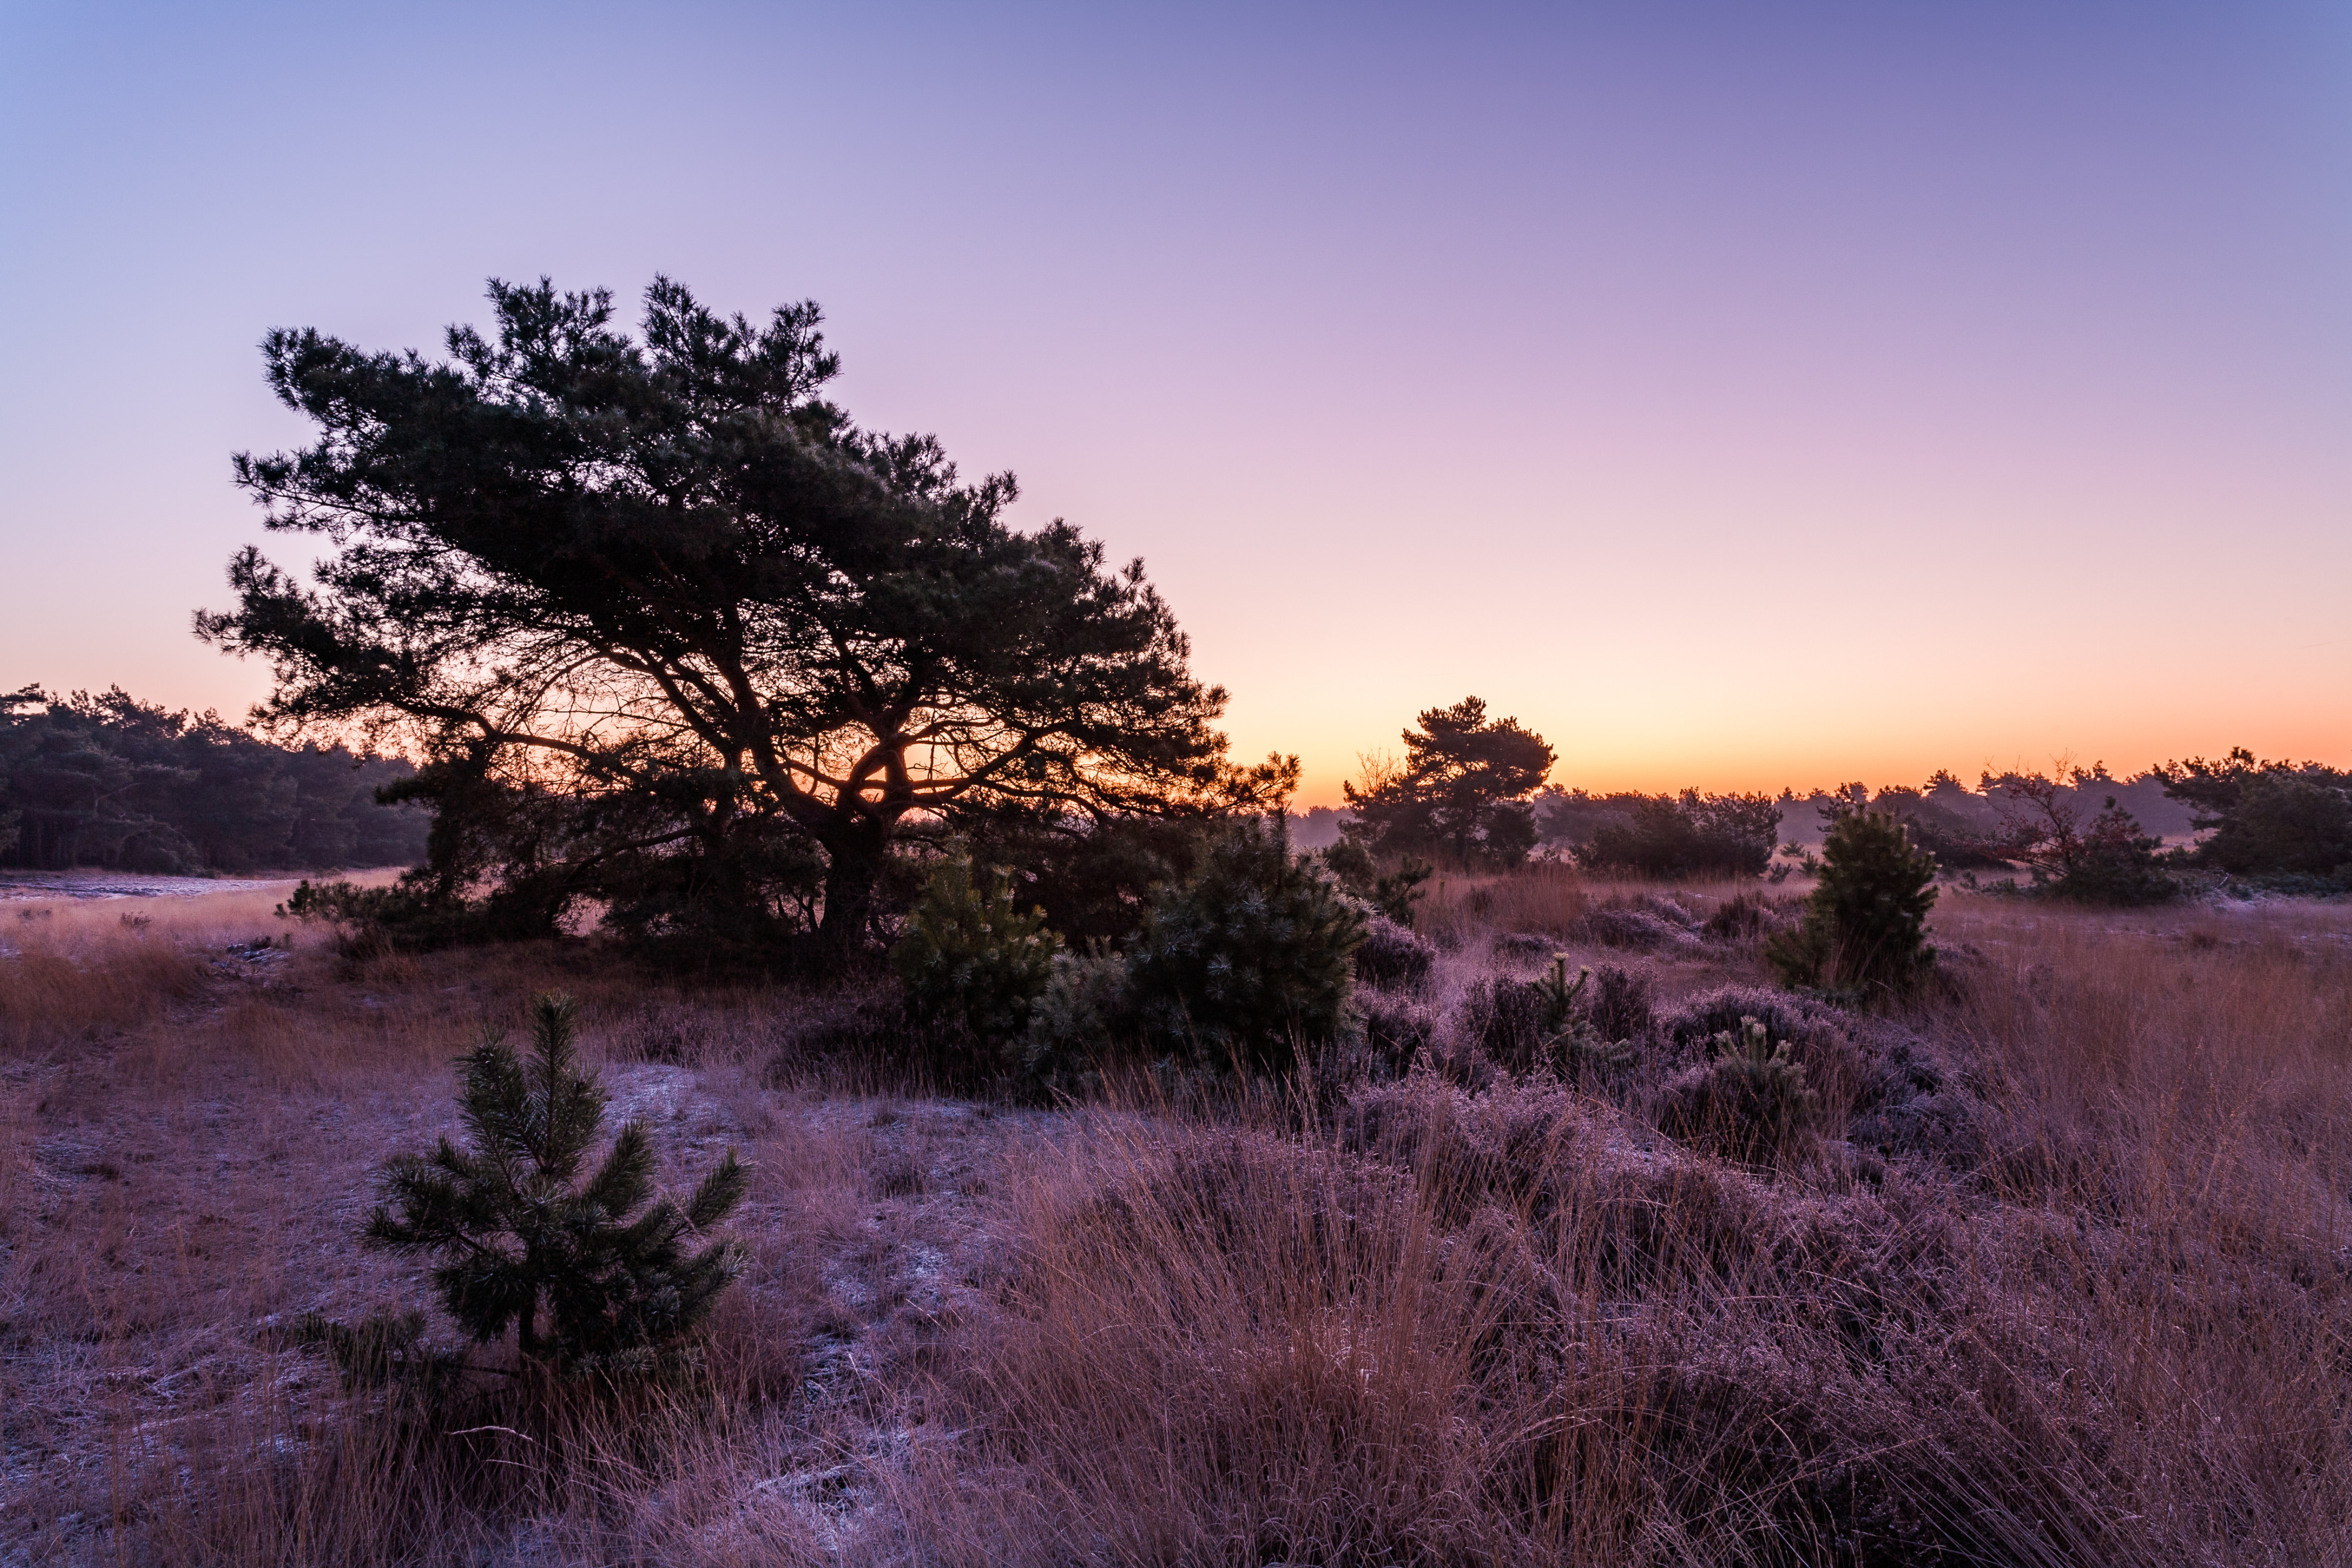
(1547, 1021)
(1751, 1101)
(1624, 1001)
(1391, 955)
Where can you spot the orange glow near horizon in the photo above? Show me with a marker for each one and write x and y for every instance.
(1741, 398)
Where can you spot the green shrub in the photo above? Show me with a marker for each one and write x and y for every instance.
(1392, 893)
(521, 1243)
(1252, 959)
(1866, 924)
(1084, 1011)
(970, 959)
(1751, 1103)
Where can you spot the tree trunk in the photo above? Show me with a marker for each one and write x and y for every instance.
(855, 865)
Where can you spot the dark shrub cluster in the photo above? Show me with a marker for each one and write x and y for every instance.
(1250, 961)
(111, 781)
(1687, 835)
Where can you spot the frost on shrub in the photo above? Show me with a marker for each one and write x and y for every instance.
(1396, 1030)
(1866, 925)
(1547, 1021)
(1644, 922)
(1751, 1103)
(1392, 955)
(1252, 959)
(1622, 1005)
(1700, 1017)
(970, 958)
(1742, 918)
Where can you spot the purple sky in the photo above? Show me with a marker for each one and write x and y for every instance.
(1739, 395)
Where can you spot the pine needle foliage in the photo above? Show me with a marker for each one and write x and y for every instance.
(1866, 925)
(971, 957)
(522, 1243)
(1252, 959)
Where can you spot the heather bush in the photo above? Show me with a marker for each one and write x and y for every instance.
(1700, 1017)
(1507, 1019)
(1742, 918)
(1252, 959)
(1396, 1030)
(1865, 926)
(1392, 955)
(1548, 1021)
(1644, 922)
(1751, 1103)
(1622, 1005)
(970, 958)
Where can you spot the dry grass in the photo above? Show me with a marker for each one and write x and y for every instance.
(2084, 1299)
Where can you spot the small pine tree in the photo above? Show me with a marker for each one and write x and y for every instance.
(1866, 925)
(970, 958)
(521, 1244)
(1252, 958)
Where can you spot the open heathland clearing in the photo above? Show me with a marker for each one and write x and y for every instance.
(2049, 1265)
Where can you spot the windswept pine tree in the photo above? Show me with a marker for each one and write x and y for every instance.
(679, 639)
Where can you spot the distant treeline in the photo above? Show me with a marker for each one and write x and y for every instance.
(2287, 825)
(109, 782)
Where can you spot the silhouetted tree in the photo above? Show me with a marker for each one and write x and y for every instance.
(2107, 860)
(1461, 792)
(669, 585)
(2267, 818)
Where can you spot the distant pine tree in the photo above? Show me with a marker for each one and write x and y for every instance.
(522, 1245)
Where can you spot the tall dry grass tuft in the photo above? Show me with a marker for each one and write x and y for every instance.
(1546, 898)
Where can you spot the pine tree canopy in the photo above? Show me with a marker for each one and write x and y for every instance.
(665, 582)
(521, 1242)
(1462, 792)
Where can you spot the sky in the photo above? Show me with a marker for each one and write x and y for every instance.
(1741, 396)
